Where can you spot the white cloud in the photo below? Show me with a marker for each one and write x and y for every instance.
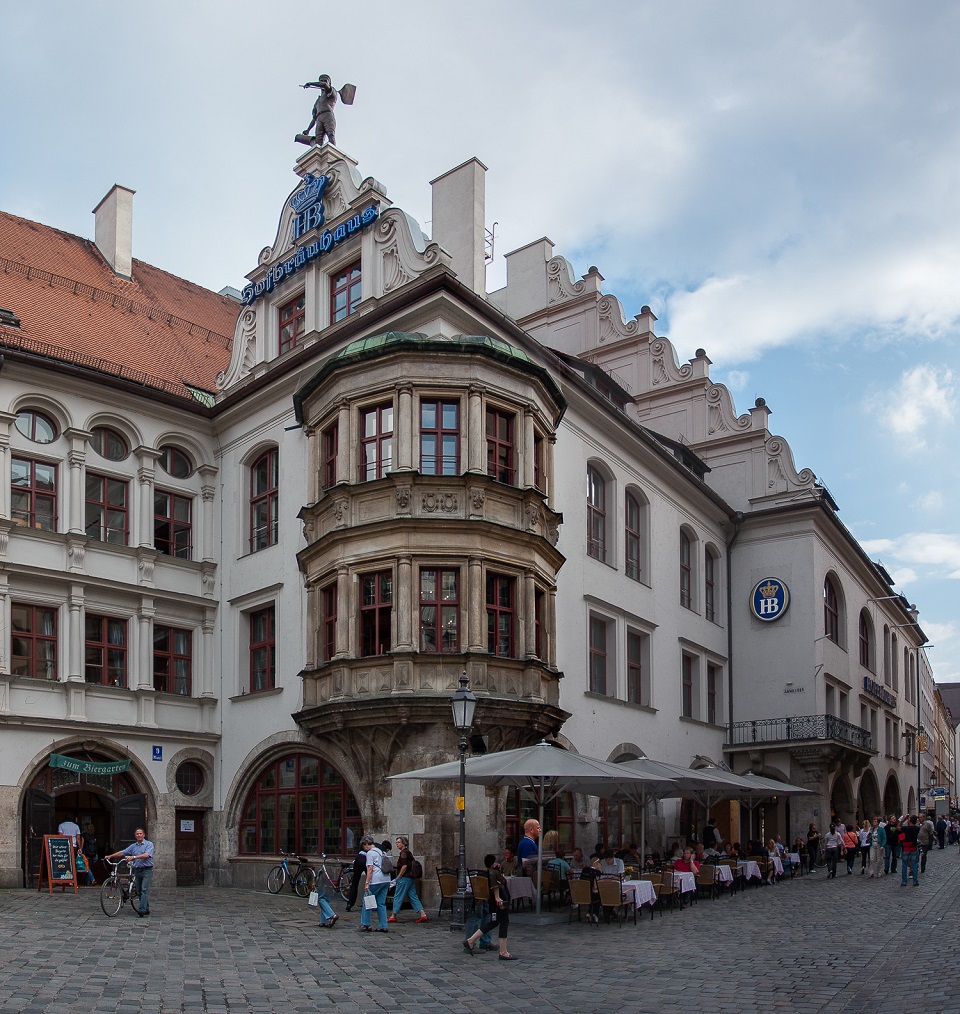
(938, 552)
(923, 397)
(736, 380)
(930, 501)
(903, 576)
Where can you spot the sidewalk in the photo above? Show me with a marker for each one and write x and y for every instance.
(811, 944)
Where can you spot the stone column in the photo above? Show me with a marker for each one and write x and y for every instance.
(144, 537)
(549, 629)
(476, 440)
(75, 521)
(75, 634)
(5, 420)
(346, 466)
(528, 458)
(344, 611)
(208, 490)
(206, 674)
(529, 616)
(404, 604)
(144, 674)
(476, 606)
(403, 457)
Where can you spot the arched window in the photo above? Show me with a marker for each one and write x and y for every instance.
(634, 536)
(108, 443)
(687, 569)
(596, 514)
(831, 610)
(300, 803)
(36, 426)
(174, 462)
(865, 636)
(711, 574)
(264, 500)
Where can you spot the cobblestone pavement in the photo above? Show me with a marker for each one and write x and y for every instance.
(811, 944)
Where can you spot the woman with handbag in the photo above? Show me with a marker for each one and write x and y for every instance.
(500, 909)
(851, 846)
(375, 889)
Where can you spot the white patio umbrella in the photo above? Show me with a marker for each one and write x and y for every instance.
(545, 770)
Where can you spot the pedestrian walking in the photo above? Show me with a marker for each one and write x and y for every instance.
(877, 846)
(832, 844)
(376, 887)
(909, 835)
(408, 871)
(926, 837)
(500, 909)
(851, 847)
(864, 846)
(813, 846)
(892, 849)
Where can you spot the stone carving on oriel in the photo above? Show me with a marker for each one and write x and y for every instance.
(323, 123)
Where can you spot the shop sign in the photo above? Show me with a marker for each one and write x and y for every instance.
(310, 214)
(82, 767)
(769, 599)
(879, 691)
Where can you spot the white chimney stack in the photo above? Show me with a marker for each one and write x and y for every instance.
(114, 229)
(458, 209)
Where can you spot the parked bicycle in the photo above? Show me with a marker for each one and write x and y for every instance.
(301, 877)
(340, 880)
(118, 887)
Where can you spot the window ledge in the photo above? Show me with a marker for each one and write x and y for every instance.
(256, 695)
(699, 722)
(617, 700)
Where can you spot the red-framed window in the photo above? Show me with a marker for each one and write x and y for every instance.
(440, 437)
(331, 448)
(596, 515)
(619, 822)
(345, 292)
(501, 454)
(539, 633)
(172, 524)
(33, 641)
(539, 475)
(174, 462)
(376, 442)
(440, 609)
(263, 650)
(105, 651)
(329, 622)
(598, 655)
(633, 532)
(710, 586)
(33, 494)
(36, 426)
(831, 611)
(500, 615)
(559, 815)
(106, 515)
(865, 639)
(108, 443)
(376, 609)
(686, 686)
(172, 660)
(300, 804)
(264, 500)
(291, 319)
(686, 571)
(713, 683)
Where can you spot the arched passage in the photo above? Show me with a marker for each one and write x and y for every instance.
(892, 801)
(868, 802)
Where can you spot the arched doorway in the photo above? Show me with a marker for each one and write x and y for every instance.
(891, 797)
(86, 786)
(869, 799)
(841, 802)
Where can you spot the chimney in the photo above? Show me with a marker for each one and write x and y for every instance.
(458, 210)
(114, 229)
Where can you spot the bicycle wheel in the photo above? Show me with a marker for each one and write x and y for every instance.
(276, 878)
(305, 881)
(111, 896)
(346, 882)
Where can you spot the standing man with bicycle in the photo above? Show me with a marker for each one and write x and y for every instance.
(141, 852)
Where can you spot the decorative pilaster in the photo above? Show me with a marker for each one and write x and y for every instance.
(403, 460)
(476, 440)
(529, 615)
(404, 605)
(144, 675)
(75, 634)
(76, 458)
(476, 606)
(208, 490)
(207, 625)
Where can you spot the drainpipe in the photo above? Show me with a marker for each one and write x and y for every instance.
(737, 521)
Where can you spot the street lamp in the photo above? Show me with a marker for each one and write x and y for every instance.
(463, 705)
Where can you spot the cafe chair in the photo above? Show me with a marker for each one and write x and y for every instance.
(579, 897)
(654, 880)
(612, 900)
(707, 881)
(480, 886)
(667, 893)
(448, 888)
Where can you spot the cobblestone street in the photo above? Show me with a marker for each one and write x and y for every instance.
(812, 944)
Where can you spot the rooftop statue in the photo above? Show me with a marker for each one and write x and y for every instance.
(324, 122)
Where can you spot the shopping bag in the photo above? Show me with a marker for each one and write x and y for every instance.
(369, 901)
(314, 900)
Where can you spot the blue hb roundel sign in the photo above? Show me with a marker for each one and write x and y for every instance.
(770, 599)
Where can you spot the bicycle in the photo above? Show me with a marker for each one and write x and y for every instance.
(342, 881)
(302, 878)
(118, 887)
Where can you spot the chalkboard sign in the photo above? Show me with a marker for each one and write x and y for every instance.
(59, 863)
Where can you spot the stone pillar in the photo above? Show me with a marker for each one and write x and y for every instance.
(6, 618)
(550, 629)
(403, 607)
(529, 458)
(403, 458)
(5, 420)
(529, 615)
(144, 537)
(476, 439)
(75, 519)
(207, 625)
(208, 490)
(344, 612)
(476, 606)
(75, 634)
(345, 445)
(144, 675)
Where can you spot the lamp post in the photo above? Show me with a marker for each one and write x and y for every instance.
(463, 704)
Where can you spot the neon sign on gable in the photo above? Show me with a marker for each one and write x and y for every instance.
(310, 214)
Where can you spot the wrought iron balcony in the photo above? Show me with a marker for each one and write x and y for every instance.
(800, 728)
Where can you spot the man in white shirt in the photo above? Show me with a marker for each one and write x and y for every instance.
(71, 828)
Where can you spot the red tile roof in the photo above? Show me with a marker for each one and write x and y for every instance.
(155, 328)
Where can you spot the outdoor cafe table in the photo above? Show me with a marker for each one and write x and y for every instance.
(777, 865)
(750, 869)
(520, 888)
(724, 873)
(642, 891)
(687, 882)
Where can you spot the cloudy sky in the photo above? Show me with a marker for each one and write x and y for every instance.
(777, 181)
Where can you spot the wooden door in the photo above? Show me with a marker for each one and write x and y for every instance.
(189, 848)
(129, 813)
(39, 819)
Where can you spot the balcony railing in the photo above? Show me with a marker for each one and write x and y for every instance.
(804, 727)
